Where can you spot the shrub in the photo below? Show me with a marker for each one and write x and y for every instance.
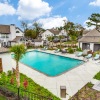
(97, 76)
(90, 85)
(9, 73)
(70, 50)
(78, 49)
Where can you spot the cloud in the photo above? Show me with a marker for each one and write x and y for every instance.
(86, 27)
(50, 22)
(32, 9)
(72, 8)
(6, 9)
(95, 3)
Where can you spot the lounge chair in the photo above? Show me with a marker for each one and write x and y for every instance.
(97, 56)
(56, 51)
(79, 54)
(45, 48)
(88, 56)
(63, 51)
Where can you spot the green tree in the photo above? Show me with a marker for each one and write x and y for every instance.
(19, 51)
(31, 34)
(37, 28)
(24, 25)
(94, 20)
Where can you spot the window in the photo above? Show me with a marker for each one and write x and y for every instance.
(17, 32)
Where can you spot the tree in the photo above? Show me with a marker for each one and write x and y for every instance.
(94, 20)
(24, 25)
(19, 51)
(61, 37)
(31, 34)
(37, 28)
(50, 38)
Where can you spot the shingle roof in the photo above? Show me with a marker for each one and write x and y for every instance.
(54, 31)
(4, 29)
(17, 38)
(92, 36)
(37, 40)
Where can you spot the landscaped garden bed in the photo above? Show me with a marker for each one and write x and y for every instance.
(87, 92)
(27, 86)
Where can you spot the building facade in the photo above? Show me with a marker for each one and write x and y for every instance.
(90, 41)
(9, 33)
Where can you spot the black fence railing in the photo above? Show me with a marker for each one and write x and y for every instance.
(32, 96)
(23, 94)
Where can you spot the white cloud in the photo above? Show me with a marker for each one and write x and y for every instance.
(6, 9)
(48, 23)
(95, 3)
(31, 9)
(86, 27)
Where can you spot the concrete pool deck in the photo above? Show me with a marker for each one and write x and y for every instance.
(73, 79)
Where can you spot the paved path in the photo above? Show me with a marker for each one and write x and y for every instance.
(74, 79)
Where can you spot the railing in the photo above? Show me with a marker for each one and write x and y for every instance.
(24, 94)
(32, 96)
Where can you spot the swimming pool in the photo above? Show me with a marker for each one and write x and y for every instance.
(49, 64)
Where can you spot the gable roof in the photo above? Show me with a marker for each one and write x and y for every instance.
(92, 36)
(17, 38)
(54, 31)
(93, 32)
(4, 29)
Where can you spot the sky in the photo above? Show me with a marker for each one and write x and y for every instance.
(49, 13)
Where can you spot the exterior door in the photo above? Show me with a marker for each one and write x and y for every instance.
(96, 47)
(85, 46)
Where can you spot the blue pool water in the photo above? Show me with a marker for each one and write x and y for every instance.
(49, 64)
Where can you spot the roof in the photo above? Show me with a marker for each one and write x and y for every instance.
(19, 29)
(37, 40)
(4, 29)
(92, 36)
(17, 38)
(54, 31)
(85, 32)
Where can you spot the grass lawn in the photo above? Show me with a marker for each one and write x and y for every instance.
(2, 97)
(97, 76)
(9, 81)
(70, 42)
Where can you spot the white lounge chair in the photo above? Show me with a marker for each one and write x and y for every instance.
(88, 56)
(56, 51)
(97, 56)
(79, 54)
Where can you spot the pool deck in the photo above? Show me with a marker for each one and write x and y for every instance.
(73, 79)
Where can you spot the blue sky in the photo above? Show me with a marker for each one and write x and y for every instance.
(50, 13)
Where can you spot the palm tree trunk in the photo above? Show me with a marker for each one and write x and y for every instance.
(17, 75)
(18, 78)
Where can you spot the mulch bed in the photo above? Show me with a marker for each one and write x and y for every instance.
(86, 93)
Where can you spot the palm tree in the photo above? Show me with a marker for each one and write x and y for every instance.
(61, 37)
(19, 51)
(50, 38)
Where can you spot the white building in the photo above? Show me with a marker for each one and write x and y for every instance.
(52, 32)
(10, 35)
(90, 41)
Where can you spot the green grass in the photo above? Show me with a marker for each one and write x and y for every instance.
(70, 42)
(2, 97)
(32, 86)
(97, 76)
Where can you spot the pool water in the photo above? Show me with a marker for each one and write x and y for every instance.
(49, 64)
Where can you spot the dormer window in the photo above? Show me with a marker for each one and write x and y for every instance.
(17, 32)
